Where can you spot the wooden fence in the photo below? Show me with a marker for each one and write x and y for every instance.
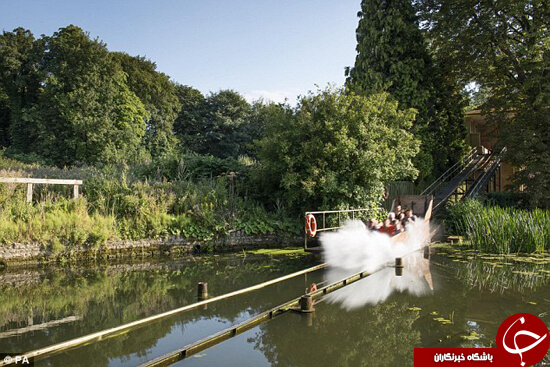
(47, 181)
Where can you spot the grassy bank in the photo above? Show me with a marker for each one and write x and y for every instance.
(501, 230)
(133, 203)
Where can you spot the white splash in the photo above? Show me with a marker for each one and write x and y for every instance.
(354, 248)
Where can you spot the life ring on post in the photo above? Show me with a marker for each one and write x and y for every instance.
(311, 225)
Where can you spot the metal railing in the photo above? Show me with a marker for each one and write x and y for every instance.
(490, 170)
(322, 227)
(454, 169)
(341, 215)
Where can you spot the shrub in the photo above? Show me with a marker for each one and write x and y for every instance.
(336, 150)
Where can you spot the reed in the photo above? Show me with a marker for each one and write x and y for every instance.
(502, 230)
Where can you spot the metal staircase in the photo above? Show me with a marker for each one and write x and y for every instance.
(467, 178)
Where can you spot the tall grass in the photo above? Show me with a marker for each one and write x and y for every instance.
(63, 224)
(502, 230)
(123, 203)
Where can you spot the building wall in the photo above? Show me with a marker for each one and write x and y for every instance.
(485, 137)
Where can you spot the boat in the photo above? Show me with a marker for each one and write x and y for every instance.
(421, 205)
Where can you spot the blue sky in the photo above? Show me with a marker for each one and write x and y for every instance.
(269, 48)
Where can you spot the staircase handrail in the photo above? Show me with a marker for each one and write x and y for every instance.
(455, 167)
(474, 191)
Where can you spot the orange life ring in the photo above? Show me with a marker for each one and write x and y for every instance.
(313, 288)
(311, 225)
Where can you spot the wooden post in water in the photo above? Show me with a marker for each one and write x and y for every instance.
(398, 266)
(306, 304)
(309, 319)
(202, 292)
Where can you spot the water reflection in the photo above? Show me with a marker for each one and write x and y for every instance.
(505, 275)
(41, 306)
(376, 321)
(416, 280)
(381, 335)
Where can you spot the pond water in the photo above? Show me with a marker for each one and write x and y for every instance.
(454, 299)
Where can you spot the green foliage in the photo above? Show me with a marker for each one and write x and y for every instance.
(191, 166)
(20, 78)
(503, 46)
(392, 56)
(158, 95)
(68, 100)
(335, 150)
(124, 203)
(507, 200)
(501, 230)
(527, 136)
(222, 124)
(188, 124)
(86, 113)
(254, 219)
(57, 225)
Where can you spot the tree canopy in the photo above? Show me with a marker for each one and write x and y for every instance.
(20, 79)
(335, 150)
(504, 47)
(392, 56)
(222, 124)
(158, 95)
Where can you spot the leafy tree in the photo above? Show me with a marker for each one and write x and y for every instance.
(503, 46)
(254, 127)
(4, 120)
(226, 113)
(215, 125)
(392, 56)
(445, 137)
(158, 95)
(188, 124)
(335, 150)
(85, 112)
(20, 79)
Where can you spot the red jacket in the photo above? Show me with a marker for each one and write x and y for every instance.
(389, 230)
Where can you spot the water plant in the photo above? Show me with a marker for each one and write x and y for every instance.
(501, 230)
(121, 202)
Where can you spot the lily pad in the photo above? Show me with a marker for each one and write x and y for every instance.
(442, 320)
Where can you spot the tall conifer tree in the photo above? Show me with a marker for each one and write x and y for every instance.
(392, 56)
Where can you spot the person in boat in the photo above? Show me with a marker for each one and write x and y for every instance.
(410, 216)
(399, 227)
(387, 227)
(401, 217)
(398, 211)
(372, 224)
